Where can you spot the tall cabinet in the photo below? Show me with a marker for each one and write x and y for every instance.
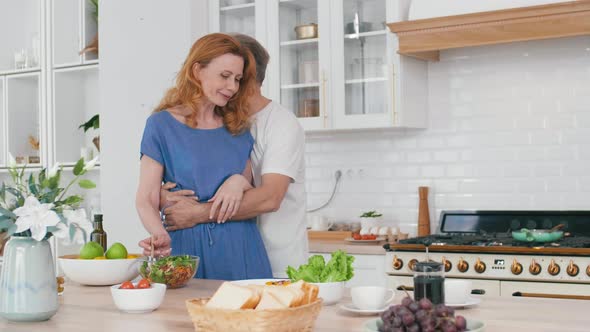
(47, 89)
(334, 62)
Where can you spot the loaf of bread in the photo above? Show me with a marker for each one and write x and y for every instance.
(259, 297)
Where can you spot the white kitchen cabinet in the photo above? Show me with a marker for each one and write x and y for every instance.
(347, 77)
(369, 270)
(47, 89)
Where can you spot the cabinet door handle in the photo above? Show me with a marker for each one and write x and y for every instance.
(324, 80)
(405, 288)
(553, 296)
(393, 98)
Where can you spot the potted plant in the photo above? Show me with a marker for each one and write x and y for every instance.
(93, 46)
(370, 219)
(94, 123)
(33, 208)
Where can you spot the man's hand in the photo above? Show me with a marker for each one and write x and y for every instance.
(185, 212)
(161, 245)
(166, 195)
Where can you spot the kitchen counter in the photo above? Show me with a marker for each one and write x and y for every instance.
(91, 309)
(328, 246)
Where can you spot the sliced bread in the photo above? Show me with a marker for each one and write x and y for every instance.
(231, 296)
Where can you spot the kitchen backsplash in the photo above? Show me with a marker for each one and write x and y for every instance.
(509, 128)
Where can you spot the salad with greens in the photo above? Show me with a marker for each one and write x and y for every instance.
(338, 268)
(174, 271)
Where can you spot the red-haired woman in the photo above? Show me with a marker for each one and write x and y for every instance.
(198, 138)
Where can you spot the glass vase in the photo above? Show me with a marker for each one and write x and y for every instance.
(28, 290)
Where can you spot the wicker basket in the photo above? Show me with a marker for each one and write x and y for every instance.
(294, 319)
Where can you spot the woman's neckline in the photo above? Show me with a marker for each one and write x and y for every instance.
(187, 126)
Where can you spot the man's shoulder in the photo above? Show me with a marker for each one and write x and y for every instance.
(280, 116)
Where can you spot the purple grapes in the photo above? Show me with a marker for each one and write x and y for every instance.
(421, 316)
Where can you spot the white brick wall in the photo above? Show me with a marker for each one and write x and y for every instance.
(509, 128)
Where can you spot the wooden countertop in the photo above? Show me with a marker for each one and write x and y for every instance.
(328, 246)
(91, 309)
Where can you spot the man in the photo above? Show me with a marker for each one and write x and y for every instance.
(278, 164)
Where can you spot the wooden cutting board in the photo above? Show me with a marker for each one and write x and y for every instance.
(328, 235)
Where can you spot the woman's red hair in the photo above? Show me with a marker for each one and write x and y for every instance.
(189, 92)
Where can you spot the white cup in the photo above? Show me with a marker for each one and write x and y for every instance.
(457, 291)
(319, 223)
(371, 297)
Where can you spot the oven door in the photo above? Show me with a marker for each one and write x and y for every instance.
(545, 290)
(480, 287)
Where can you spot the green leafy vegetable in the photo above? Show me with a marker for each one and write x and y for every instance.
(338, 268)
(371, 214)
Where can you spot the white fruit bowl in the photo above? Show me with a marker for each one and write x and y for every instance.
(99, 272)
(137, 301)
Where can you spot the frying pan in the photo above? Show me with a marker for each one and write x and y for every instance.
(538, 235)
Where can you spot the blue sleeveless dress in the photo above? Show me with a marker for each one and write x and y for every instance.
(201, 160)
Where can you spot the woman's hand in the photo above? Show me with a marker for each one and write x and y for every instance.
(228, 197)
(161, 245)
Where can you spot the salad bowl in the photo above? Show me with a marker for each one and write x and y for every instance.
(174, 271)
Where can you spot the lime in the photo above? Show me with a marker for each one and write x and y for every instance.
(91, 250)
(116, 251)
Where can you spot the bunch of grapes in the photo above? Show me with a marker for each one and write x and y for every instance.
(421, 316)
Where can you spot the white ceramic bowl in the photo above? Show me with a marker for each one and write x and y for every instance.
(138, 301)
(330, 292)
(99, 272)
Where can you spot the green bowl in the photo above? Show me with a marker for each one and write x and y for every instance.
(374, 324)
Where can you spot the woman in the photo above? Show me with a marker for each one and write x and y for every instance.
(198, 138)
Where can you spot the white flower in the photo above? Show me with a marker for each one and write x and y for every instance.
(36, 217)
(51, 173)
(77, 219)
(11, 161)
(90, 165)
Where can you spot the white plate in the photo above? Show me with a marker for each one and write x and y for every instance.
(245, 282)
(352, 240)
(351, 308)
(374, 324)
(471, 301)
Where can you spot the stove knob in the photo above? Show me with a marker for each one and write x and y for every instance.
(462, 266)
(572, 269)
(516, 267)
(553, 268)
(479, 266)
(588, 271)
(447, 263)
(535, 268)
(397, 263)
(412, 264)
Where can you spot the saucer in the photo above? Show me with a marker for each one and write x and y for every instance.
(471, 301)
(351, 308)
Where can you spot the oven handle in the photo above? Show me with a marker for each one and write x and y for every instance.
(552, 296)
(410, 289)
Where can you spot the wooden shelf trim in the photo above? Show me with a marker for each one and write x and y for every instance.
(423, 39)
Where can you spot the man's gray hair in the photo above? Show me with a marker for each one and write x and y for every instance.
(260, 54)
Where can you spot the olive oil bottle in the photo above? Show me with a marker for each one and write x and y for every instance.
(98, 235)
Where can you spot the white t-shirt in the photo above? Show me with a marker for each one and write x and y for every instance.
(279, 148)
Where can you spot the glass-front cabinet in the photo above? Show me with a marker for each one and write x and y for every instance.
(334, 62)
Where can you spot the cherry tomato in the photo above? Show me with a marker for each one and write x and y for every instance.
(356, 236)
(143, 283)
(127, 285)
(372, 237)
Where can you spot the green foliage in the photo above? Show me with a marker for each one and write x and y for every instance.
(94, 123)
(338, 268)
(371, 214)
(95, 11)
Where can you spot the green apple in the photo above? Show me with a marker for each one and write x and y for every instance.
(116, 251)
(91, 250)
